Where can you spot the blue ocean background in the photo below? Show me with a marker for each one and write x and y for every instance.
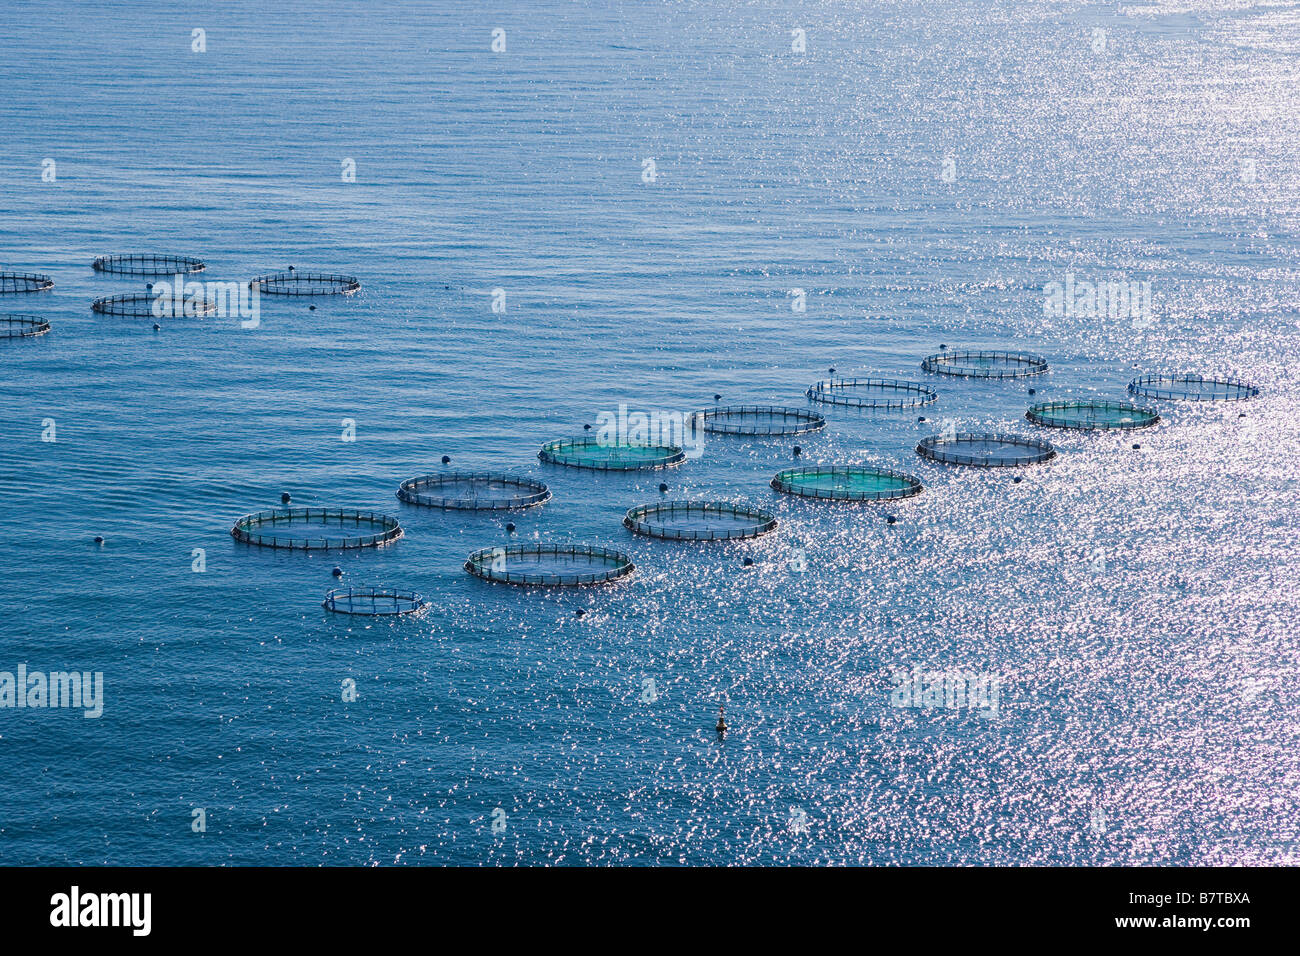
(1139, 606)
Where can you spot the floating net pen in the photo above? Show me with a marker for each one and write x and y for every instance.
(24, 282)
(872, 393)
(311, 529)
(987, 451)
(1191, 388)
(373, 602)
(759, 420)
(551, 565)
(146, 264)
(603, 456)
(985, 364)
(14, 326)
(846, 483)
(141, 305)
(305, 283)
(473, 491)
(699, 521)
(1092, 415)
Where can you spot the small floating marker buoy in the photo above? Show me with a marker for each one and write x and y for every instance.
(663, 486)
(1136, 446)
(586, 428)
(920, 418)
(148, 287)
(285, 498)
(1017, 479)
(292, 269)
(338, 572)
(717, 397)
(890, 519)
(748, 562)
(831, 370)
(1032, 391)
(99, 539)
(446, 459)
(157, 327)
(579, 613)
(311, 308)
(510, 527)
(1242, 415)
(942, 346)
(797, 451)
(721, 727)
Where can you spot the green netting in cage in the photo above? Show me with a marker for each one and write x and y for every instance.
(147, 305)
(1092, 415)
(759, 420)
(609, 456)
(13, 326)
(985, 364)
(24, 282)
(846, 483)
(373, 602)
(552, 565)
(699, 521)
(986, 450)
(147, 264)
(305, 283)
(473, 491)
(871, 393)
(308, 529)
(1191, 388)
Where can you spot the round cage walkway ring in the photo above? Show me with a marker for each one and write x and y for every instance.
(373, 602)
(11, 282)
(985, 364)
(604, 456)
(846, 483)
(473, 491)
(759, 420)
(699, 521)
(986, 450)
(1191, 388)
(316, 529)
(147, 264)
(550, 565)
(305, 283)
(142, 305)
(872, 393)
(1092, 415)
(14, 326)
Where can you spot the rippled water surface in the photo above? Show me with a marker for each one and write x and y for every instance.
(643, 187)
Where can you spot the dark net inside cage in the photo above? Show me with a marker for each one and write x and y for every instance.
(759, 420)
(552, 565)
(24, 282)
(373, 602)
(306, 283)
(986, 450)
(306, 529)
(699, 521)
(1192, 388)
(985, 364)
(846, 483)
(146, 305)
(872, 393)
(473, 491)
(13, 326)
(147, 264)
(610, 456)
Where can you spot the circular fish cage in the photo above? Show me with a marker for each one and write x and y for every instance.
(147, 264)
(24, 282)
(473, 491)
(13, 326)
(550, 565)
(305, 283)
(593, 453)
(759, 420)
(141, 305)
(373, 602)
(699, 521)
(1191, 388)
(985, 364)
(872, 393)
(316, 529)
(1092, 415)
(986, 450)
(846, 483)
